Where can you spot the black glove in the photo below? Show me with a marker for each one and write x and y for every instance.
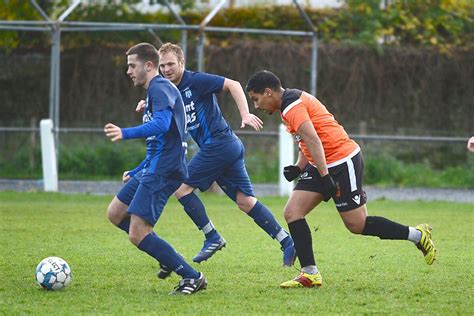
(291, 172)
(329, 186)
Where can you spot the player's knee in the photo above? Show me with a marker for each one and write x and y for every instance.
(135, 237)
(183, 190)
(116, 211)
(245, 202)
(290, 214)
(112, 214)
(355, 227)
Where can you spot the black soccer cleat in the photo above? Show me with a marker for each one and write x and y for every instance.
(164, 272)
(190, 286)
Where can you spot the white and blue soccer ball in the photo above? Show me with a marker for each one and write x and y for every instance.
(53, 273)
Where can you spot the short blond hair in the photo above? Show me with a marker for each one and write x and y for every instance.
(172, 48)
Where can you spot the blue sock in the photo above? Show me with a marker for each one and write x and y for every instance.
(265, 219)
(166, 255)
(125, 224)
(197, 212)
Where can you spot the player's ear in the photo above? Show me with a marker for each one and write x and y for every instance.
(148, 66)
(268, 92)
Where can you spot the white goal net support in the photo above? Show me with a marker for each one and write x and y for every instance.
(286, 155)
(48, 156)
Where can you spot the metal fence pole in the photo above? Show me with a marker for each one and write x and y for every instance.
(184, 33)
(55, 80)
(200, 51)
(202, 35)
(314, 48)
(314, 64)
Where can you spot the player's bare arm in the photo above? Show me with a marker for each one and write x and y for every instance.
(302, 161)
(314, 145)
(113, 132)
(238, 94)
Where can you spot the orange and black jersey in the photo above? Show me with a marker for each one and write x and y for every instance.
(298, 107)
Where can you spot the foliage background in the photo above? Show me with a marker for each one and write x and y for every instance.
(444, 24)
(407, 69)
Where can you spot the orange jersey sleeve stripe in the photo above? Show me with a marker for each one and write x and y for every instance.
(336, 143)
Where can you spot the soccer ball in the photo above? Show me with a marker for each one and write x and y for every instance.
(53, 273)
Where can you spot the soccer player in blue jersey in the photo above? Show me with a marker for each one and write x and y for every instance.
(162, 171)
(221, 154)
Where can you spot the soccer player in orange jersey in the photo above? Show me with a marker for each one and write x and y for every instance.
(329, 165)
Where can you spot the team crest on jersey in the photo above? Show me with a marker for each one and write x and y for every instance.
(188, 93)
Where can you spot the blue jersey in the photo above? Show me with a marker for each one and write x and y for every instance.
(206, 125)
(164, 127)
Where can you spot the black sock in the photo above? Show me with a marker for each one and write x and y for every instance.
(384, 228)
(301, 235)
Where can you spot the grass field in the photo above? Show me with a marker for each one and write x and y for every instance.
(362, 275)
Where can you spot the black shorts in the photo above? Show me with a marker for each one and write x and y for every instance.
(348, 177)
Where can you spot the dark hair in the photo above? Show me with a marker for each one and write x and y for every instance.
(261, 80)
(145, 52)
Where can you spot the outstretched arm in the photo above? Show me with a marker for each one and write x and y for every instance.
(159, 125)
(113, 132)
(238, 94)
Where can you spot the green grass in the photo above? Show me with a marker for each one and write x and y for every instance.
(362, 275)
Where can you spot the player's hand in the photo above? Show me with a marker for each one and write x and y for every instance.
(291, 172)
(140, 106)
(470, 144)
(125, 176)
(329, 185)
(113, 132)
(253, 121)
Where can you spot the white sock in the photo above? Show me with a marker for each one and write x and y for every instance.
(414, 235)
(208, 228)
(282, 234)
(310, 269)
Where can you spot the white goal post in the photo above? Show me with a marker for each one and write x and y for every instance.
(48, 156)
(287, 157)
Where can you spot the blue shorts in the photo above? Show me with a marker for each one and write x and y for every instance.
(223, 163)
(127, 192)
(151, 195)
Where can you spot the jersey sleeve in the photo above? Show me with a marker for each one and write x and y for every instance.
(160, 124)
(161, 97)
(208, 83)
(297, 116)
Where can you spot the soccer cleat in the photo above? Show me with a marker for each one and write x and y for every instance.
(211, 246)
(426, 244)
(289, 253)
(304, 280)
(190, 286)
(164, 271)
